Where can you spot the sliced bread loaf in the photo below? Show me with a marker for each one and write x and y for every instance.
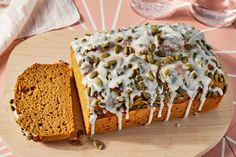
(44, 103)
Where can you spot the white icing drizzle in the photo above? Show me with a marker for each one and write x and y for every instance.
(169, 105)
(152, 110)
(115, 87)
(161, 106)
(119, 117)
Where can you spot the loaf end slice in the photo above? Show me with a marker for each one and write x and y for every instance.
(43, 102)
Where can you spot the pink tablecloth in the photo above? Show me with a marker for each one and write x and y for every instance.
(107, 14)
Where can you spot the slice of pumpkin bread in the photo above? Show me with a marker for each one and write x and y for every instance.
(43, 102)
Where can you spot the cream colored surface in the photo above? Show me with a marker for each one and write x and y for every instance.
(196, 134)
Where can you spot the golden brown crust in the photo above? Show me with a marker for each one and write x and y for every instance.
(136, 117)
(43, 99)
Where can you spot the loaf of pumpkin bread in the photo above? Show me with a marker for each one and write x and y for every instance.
(136, 75)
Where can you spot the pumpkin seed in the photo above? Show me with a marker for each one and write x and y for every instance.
(145, 57)
(98, 112)
(140, 85)
(93, 75)
(221, 78)
(154, 30)
(179, 57)
(152, 47)
(181, 91)
(184, 59)
(216, 77)
(188, 46)
(80, 62)
(126, 50)
(98, 144)
(139, 100)
(96, 60)
(117, 49)
(89, 91)
(194, 75)
(98, 101)
(138, 78)
(150, 75)
(161, 53)
(11, 101)
(76, 142)
(167, 72)
(105, 45)
(225, 88)
(209, 94)
(137, 72)
(189, 66)
(209, 47)
(83, 40)
(98, 82)
(119, 39)
(210, 75)
(29, 137)
(111, 63)
(168, 60)
(131, 50)
(214, 94)
(104, 55)
(150, 58)
(129, 38)
(210, 67)
(147, 95)
(13, 108)
(88, 34)
(158, 63)
(180, 99)
(194, 55)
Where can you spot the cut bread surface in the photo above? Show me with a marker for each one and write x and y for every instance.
(43, 102)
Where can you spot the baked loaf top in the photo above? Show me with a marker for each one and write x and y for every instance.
(43, 103)
(163, 64)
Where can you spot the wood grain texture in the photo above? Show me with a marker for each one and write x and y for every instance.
(195, 136)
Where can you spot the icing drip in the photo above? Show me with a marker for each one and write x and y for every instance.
(155, 63)
(119, 117)
(93, 118)
(161, 106)
(169, 105)
(152, 110)
(192, 96)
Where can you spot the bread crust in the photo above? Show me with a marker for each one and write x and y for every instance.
(108, 122)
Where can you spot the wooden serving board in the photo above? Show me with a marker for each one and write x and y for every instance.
(196, 135)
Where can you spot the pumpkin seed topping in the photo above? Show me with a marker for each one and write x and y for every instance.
(111, 63)
(89, 91)
(179, 57)
(167, 72)
(93, 75)
(161, 53)
(150, 75)
(152, 47)
(184, 59)
(105, 45)
(104, 55)
(154, 30)
(168, 60)
(117, 48)
(98, 82)
(140, 85)
(188, 46)
(150, 58)
(119, 39)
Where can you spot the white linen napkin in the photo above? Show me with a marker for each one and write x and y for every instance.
(29, 17)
